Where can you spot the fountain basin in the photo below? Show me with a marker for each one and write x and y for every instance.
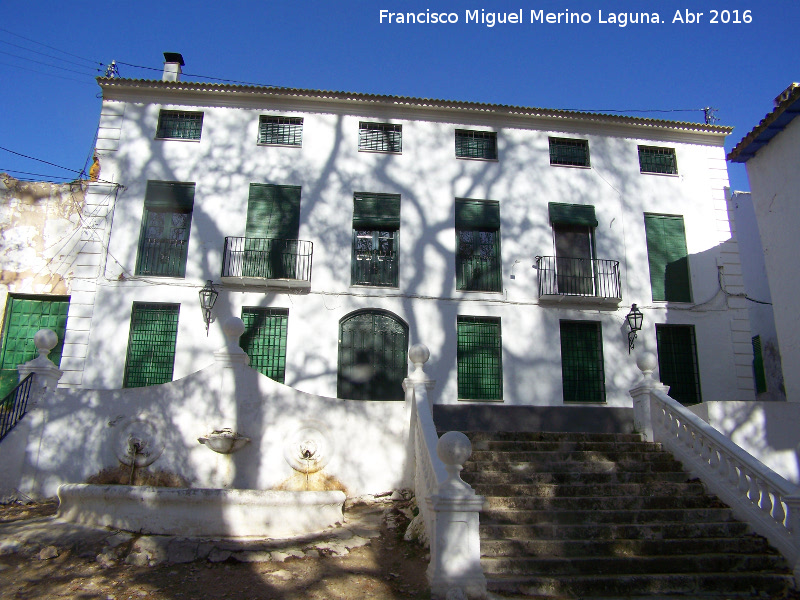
(200, 512)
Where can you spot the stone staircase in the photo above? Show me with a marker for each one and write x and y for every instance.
(579, 515)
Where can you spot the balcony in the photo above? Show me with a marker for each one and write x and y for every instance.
(578, 280)
(276, 263)
(161, 257)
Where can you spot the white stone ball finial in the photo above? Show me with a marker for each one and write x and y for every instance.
(647, 363)
(233, 328)
(45, 340)
(419, 354)
(454, 449)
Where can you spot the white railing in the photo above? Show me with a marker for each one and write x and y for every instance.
(449, 506)
(757, 495)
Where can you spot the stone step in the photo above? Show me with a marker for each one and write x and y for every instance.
(549, 436)
(654, 502)
(612, 531)
(748, 544)
(691, 586)
(633, 565)
(575, 478)
(584, 517)
(550, 490)
(564, 446)
(593, 466)
(577, 457)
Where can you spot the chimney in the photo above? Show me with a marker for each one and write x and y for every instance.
(172, 66)
(784, 96)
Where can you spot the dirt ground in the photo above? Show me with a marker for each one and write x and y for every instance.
(388, 568)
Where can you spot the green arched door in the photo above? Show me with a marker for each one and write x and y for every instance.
(373, 349)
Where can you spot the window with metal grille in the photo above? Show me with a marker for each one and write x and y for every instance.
(380, 137)
(570, 152)
(376, 225)
(280, 131)
(164, 237)
(24, 316)
(668, 258)
(654, 159)
(264, 340)
(476, 144)
(151, 344)
(478, 246)
(480, 358)
(582, 374)
(677, 362)
(179, 125)
(759, 373)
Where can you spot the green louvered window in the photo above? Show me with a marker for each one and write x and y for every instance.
(380, 137)
(668, 258)
(478, 245)
(654, 159)
(582, 372)
(677, 362)
(179, 125)
(476, 144)
(264, 340)
(273, 224)
(570, 152)
(373, 356)
(479, 358)
(151, 344)
(759, 373)
(376, 239)
(280, 131)
(164, 237)
(25, 315)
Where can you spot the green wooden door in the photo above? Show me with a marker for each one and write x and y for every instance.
(273, 225)
(373, 350)
(25, 315)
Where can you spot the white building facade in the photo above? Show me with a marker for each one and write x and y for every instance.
(345, 227)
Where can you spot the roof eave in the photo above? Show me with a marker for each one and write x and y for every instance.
(770, 126)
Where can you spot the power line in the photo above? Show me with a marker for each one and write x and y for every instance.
(83, 81)
(119, 62)
(51, 164)
(9, 171)
(94, 62)
(48, 64)
(71, 62)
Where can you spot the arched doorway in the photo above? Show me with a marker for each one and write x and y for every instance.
(373, 346)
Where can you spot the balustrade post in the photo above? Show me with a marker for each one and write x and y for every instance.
(793, 525)
(455, 544)
(46, 373)
(642, 418)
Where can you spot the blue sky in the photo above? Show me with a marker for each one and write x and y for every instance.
(51, 113)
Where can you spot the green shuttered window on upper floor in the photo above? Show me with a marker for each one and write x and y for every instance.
(376, 239)
(655, 159)
(476, 144)
(677, 362)
(668, 258)
(166, 224)
(264, 340)
(569, 152)
(273, 225)
(479, 358)
(179, 125)
(280, 131)
(582, 371)
(380, 137)
(151, 344)
(478, 267)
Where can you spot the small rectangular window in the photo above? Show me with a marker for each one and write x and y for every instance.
(280, 131)
(476, 144)
(582, 372)
(677, 362)
(264, 340)
(380, 137)
(179, 125)
(653, 159)
(480, 358)
(570, 152)
(151, 344)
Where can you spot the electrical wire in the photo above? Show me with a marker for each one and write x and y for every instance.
(71, 62)
(39, 62)
(9, 171)
(119, 62)
(93, 62)
(92, 83)
(52, 164)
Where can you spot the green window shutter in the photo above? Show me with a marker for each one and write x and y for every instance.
(477, 215)
(280, 131)
(668, 258)
(376, 211)
(582, 371)
(169, 196)
(677, 362)
(264, 340)
(166, 223)
(759, 373)
(571, 214)
(570, 152)
(654, 159)
(25, 315)
(476, 144)
(151, 344)
(380, 137)
(273, 211)
(179, 124)
(478, 265)
(479, 358)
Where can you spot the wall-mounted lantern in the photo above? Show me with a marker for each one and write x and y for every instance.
(634, 319)
(208, 297)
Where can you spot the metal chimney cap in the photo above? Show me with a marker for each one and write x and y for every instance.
(173, 57)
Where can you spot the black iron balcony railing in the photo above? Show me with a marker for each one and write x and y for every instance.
(586, 277)
(267, 259)
(14, 406)
(374, 268)
(162, 257)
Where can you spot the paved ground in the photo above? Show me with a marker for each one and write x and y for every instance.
(44, 559)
